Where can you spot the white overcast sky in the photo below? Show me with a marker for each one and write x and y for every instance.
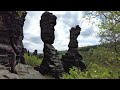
(65, 20)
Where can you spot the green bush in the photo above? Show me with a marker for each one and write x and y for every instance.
(101, 62)
(94, 72)
(32, 60)
(101, 56)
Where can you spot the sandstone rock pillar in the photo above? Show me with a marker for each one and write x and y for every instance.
(72, 57)
(51, 63)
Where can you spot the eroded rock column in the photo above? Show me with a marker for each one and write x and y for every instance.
(72, 57)
(51, 64)
(11, 36)
(18, 23)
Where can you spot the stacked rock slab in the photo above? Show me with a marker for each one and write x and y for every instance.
(51, 64)
(4, 37)
(7, 43)
(72, 57)
(19, 18)
(11, 32)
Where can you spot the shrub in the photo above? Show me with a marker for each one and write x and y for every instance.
(101, 62)
(94, 72)
(32, 60)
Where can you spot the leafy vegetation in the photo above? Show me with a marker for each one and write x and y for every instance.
(94, 72)
(102, 63)
(32, 60)
(109, 24)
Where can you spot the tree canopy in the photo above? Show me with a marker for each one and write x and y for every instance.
(109, 24)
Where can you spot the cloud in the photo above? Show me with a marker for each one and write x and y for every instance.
(71, 18)
(36, 40)
(87, 32)
(31, 29)
(31, 46)
(88, 41)
(65, 20)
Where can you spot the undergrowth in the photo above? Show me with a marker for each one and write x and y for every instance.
(32, 60)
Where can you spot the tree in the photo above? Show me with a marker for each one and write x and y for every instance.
(109, 24)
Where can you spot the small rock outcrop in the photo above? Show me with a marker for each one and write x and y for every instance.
(35, 53)
(25, 50)
(28, 53)
(51, 64)
(72, 57)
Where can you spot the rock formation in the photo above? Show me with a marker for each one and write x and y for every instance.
(41, 55)
(35, 53)
(19, 18)
(51, 64)
(11, 34)
(28, 53)
(4, 37)
(25, 50)
(24, 72)
(72, 57)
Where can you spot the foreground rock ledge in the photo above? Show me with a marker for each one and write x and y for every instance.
(24, 72)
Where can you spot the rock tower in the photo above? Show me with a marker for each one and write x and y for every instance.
(51, 63)
(72, 57)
